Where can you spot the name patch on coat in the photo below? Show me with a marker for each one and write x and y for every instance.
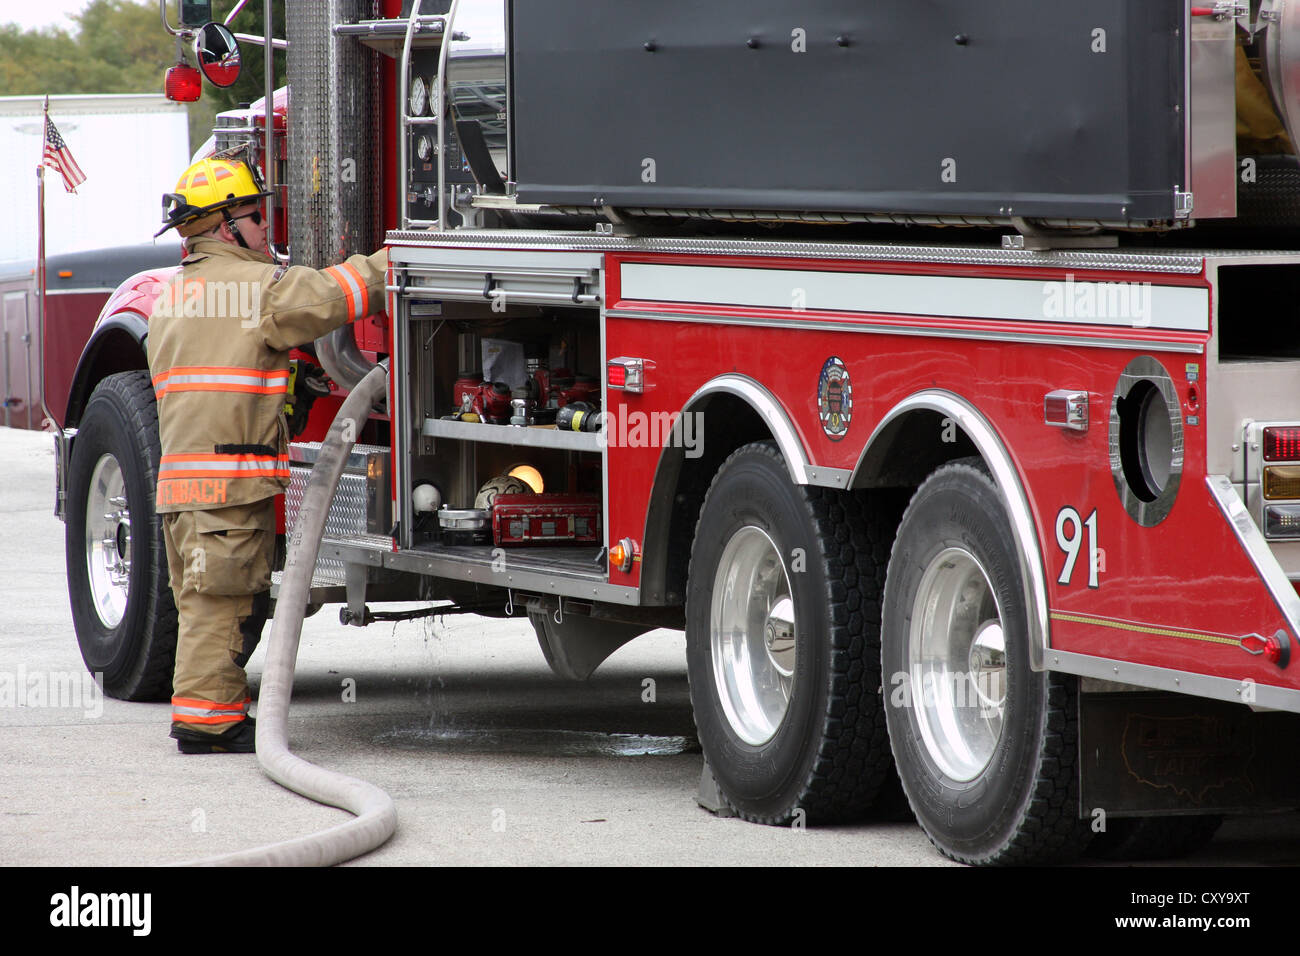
(181, 491)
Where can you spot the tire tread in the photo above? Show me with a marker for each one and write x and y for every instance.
(1050, 829)
(853, 760)
(150, 677)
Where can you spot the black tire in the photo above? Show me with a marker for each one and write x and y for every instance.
(985, 748)
(132, 646)
(1153, 838)
(826, 754)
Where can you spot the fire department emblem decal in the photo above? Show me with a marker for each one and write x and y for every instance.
(834, 399)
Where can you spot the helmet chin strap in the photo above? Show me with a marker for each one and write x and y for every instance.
(230, 224)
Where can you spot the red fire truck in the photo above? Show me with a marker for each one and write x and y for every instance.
(935, 367)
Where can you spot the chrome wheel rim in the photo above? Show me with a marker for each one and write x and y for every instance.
(957, 665)
(752, 635)
(108, 541)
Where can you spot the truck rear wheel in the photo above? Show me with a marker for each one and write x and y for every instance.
(986, 749)
(122, 606)
(782, 638)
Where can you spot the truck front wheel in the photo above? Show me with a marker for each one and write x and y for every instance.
(122, 606)
(782, 651)
(986, 748)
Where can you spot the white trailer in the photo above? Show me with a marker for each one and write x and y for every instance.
(131, 147)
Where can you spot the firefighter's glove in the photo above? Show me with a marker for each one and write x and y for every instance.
(307, 383)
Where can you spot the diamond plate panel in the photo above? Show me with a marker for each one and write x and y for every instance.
(347, 514)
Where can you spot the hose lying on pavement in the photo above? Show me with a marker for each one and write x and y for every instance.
(376, 817)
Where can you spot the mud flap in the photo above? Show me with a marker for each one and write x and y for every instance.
(1156, 754)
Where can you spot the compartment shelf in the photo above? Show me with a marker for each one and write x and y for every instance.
(530, 437)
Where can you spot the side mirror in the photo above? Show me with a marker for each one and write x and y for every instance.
(217, 52)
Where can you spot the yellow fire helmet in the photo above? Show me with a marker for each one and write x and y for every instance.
(208, 187)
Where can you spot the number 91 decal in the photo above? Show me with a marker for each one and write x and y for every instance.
(1071, 543)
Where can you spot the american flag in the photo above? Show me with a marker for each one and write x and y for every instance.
(57, 156)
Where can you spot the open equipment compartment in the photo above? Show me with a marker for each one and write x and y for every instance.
(453, 424)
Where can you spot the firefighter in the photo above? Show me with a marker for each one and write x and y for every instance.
(218, 346)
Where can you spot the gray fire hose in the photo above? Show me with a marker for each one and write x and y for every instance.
(376, 817)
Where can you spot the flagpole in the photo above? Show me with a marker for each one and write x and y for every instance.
(40, 286)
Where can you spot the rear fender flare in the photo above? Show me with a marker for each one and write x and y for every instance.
(995, 454)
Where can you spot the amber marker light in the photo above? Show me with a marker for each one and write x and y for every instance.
(1282, 482)
(623, 555)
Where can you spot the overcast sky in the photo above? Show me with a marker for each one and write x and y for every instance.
(42, 14)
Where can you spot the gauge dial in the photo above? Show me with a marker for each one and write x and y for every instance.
(423, 148)
(419, 97)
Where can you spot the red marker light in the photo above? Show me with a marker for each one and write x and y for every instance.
(1278, 649)
(182, 83)
(1282, 443)
(628, 373)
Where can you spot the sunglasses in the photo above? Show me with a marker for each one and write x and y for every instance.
(255, 215)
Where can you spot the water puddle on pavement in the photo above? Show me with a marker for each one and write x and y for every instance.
(566, 743)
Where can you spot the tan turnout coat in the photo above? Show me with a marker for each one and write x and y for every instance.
(218, 347)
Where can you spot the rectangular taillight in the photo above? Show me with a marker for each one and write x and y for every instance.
(1282, 443)
(1282, 481)
(629, 374)
(1282, 521)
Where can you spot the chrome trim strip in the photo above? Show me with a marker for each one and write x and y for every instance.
(480, 570)
(1027, 298)
(1179, 682)
(918, 332)
(604, 446)
(829, 477)
(467, 295)
(444, 106)
(1252, 541)
(444, 258)
(402, 418)
(1184, 262)
(995, 454)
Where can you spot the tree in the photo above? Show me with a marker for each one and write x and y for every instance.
(119, 46)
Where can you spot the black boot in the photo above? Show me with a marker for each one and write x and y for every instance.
(238, 739)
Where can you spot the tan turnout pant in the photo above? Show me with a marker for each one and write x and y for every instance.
(220, 574)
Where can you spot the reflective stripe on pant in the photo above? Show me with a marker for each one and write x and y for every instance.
(220, 575)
